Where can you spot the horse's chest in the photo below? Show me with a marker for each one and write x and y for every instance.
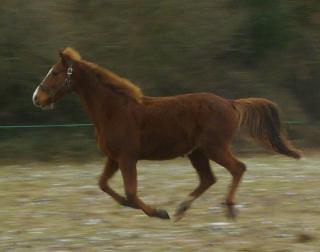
(105, 145)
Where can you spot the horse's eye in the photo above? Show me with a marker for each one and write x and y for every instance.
(54, 73)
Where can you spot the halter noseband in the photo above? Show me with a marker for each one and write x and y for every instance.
(66, 85)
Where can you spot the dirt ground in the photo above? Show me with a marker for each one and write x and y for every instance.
(58, 207)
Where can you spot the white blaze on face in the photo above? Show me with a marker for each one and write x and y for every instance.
(37, 89)
(34, 96)
(47, 75)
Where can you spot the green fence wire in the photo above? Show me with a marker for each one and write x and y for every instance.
(74, 125)
(71, 125)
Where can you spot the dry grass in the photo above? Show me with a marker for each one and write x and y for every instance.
(49, 207)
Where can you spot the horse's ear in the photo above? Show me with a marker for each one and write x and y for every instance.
(65, 59)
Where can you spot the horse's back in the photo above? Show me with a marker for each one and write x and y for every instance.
(200, 107)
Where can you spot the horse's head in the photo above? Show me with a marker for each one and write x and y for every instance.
(58, 81)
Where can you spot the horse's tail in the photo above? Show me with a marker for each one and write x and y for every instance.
(261, 118)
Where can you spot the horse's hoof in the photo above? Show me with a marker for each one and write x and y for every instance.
(162, 214)
(177, 217)
(181, 209)
(231, 212)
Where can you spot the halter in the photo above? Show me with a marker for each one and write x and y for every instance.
(66, 85)
(67, 81)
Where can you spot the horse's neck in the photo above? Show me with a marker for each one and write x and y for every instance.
(100, 102)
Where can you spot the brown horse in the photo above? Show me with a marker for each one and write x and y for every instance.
(130, 127)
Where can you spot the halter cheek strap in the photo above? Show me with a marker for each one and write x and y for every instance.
(67, 81)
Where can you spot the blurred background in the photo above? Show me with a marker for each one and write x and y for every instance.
(49, 196)
(250, 48)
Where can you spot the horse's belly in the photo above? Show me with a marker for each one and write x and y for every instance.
(162, 152)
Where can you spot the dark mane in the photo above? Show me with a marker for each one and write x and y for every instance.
(108, 78)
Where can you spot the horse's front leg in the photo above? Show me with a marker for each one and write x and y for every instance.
(129, 173)
(111, 167)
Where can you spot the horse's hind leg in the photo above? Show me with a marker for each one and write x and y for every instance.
(201, 164)
(109, 170)
(224, 157)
